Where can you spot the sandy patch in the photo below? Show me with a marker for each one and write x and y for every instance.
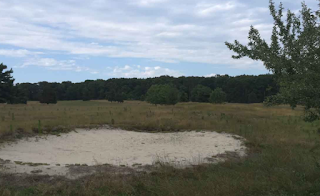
(115, 147)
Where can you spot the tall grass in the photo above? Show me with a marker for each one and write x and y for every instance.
(284, 154)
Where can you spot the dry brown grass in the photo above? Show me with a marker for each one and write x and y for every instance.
(284, 150)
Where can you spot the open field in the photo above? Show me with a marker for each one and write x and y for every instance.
(284, 154)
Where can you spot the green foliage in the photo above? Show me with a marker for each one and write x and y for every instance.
(85, 94)
(8, 92)
(292, 55)
(218, 96)
(48, 95)
(18, 96)
(6, 83)
(115, 96)
(252, 98)
(200, 94)
(163, 95)
(184, 97)
(237, 88)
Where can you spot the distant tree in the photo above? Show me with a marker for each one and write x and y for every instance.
(252, 98)
(293, 56)
(102, 93)
(85, 94)
(6, 84)
(110, 96)
(163, 95)
(237, 88)
(172, 95)
(218, 96)
(30, 91)
(119, 97)
(73, 92)
(184, 97)
(48, 95)
(115, 96)
(18, 96)
(8, 92)
(200, 94)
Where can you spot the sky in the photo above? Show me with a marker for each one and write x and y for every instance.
(76, 40)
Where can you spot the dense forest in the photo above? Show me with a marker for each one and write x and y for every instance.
(240, 89)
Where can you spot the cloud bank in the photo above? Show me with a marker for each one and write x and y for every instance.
(163, 31)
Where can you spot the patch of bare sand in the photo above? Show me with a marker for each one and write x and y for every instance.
(114, 147)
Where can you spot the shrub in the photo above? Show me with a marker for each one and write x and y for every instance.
(48, 95)
(200, 94)
(218, 96)
(163, 94)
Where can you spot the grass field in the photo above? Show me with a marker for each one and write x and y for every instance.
(284, 156)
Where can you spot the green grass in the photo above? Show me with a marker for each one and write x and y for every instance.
(284, 154)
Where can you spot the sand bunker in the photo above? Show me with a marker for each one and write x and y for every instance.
(115, 147)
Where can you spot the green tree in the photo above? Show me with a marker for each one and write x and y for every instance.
(119, 97)
(85, 94)
(18, 96)
(293, 56)
(163, 94)
(237, 88)
(184, 97)
(111, 95)
(200, 94)
(218, 96)
(115, 96)
(48, 94)
(6, 84)
(252, 98)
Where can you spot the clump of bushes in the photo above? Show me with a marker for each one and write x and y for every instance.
(163, 95)
(218, 96)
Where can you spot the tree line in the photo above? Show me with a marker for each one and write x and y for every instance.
(239, 89)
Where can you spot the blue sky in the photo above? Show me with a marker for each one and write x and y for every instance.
(75, 40)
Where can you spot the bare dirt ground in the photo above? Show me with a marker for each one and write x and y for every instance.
(84, 152)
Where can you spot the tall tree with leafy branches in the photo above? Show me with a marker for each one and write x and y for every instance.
(6, 84)
(293, 55)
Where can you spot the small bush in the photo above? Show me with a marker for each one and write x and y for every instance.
(163, 95)
(218, 96)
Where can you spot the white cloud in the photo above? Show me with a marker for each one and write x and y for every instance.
(159, 30)
(208, 9)
(211, 75)
(42, 62)
(141, 72)
(17, 53)
(147, 2)
(58, 65)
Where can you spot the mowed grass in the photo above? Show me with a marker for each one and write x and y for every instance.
(284, 155)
